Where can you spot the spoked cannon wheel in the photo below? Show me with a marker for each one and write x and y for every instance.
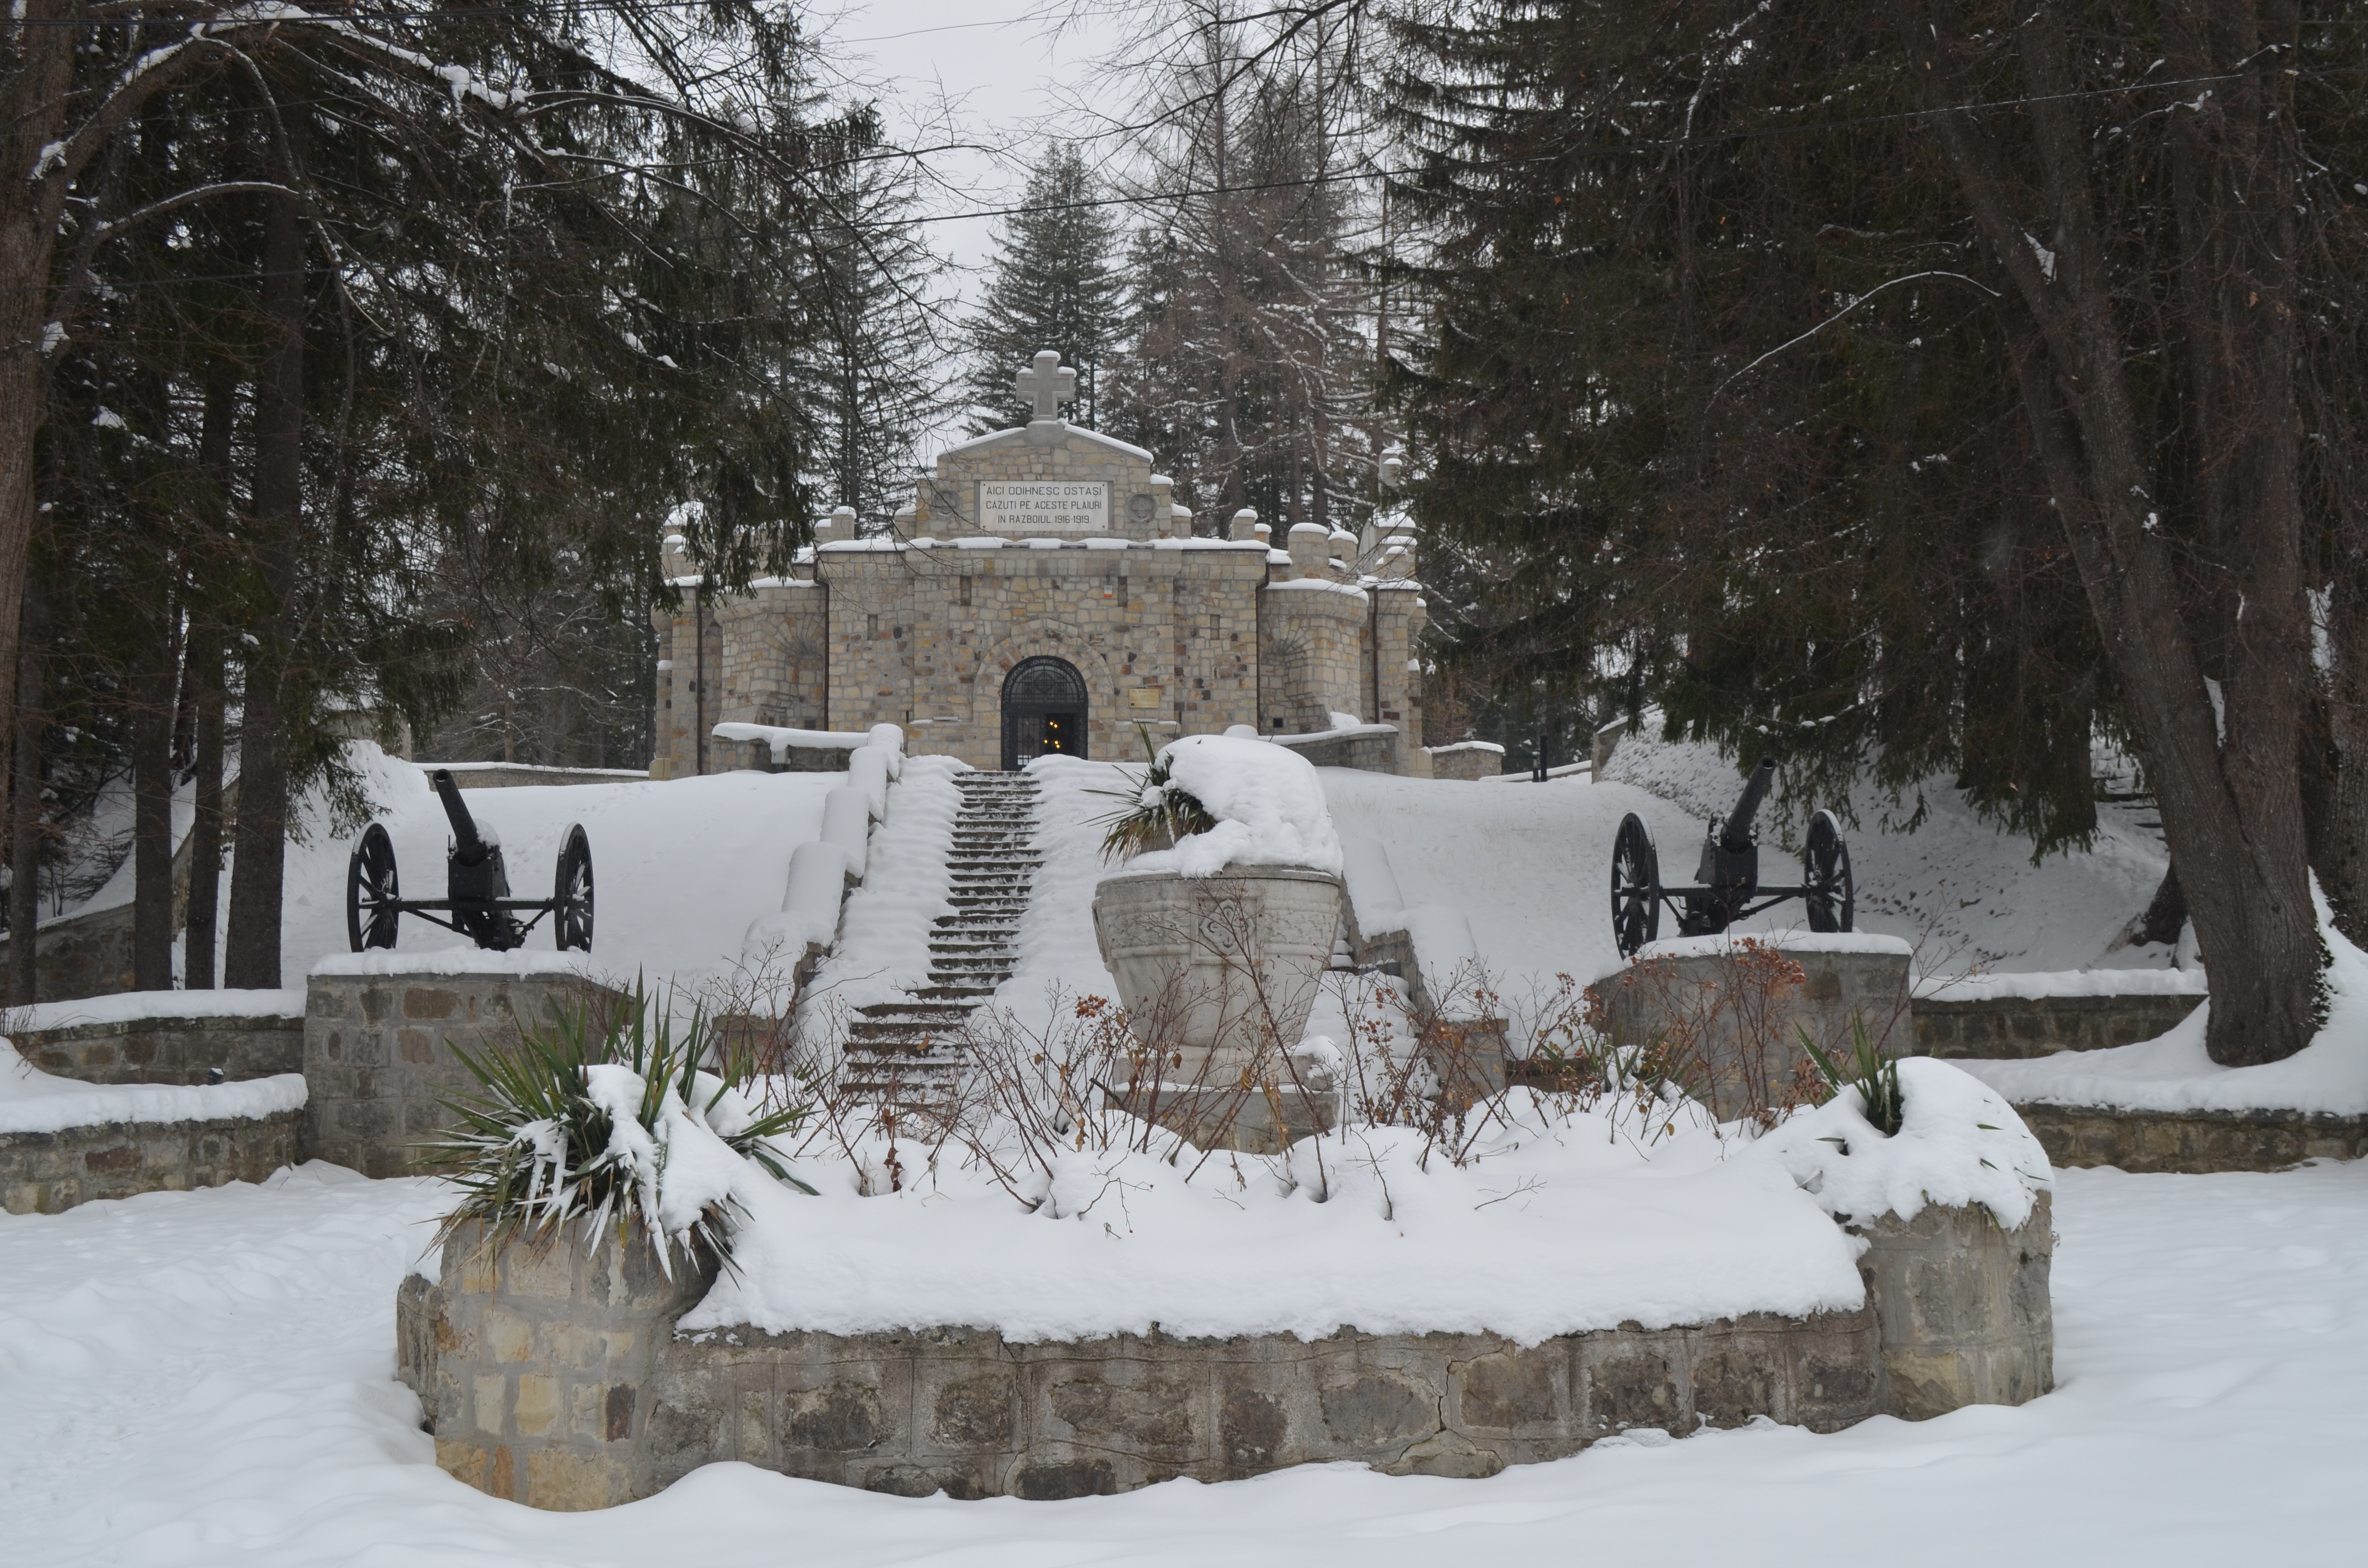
(372, 896)
(1826, 876)
(1635, 886)
(570, 892)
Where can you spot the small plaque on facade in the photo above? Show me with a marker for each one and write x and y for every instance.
(1016, 508)
(1143, 697)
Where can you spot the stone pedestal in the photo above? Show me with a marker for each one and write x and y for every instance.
(378, 1044)
(534, 1359)
(1729, 1010)
(1219, 972)
(1961, 1307)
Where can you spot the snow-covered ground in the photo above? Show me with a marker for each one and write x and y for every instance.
(681, 868)
(206, 1377)
(1956, 886)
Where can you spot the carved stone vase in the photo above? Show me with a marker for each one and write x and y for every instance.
(1219, 974)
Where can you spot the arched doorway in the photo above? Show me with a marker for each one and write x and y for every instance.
(1043, 710)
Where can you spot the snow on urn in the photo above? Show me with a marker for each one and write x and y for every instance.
(1219, 944)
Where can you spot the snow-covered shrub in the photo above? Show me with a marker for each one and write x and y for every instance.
(1156, 812)
(1956, 1142)
(1226, 800)
(1870, 1070)
(609, 1115)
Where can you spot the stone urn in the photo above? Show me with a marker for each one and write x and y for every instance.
(1219, 972)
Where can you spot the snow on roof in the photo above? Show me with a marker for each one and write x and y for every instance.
(1317, 586)
(1019, 432)
(1467, 745)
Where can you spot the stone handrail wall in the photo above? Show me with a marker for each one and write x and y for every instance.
(48, 1172)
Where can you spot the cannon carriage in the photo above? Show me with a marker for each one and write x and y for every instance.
(1727, 886)
(477, 902)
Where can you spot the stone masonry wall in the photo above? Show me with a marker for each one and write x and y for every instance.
(1312, 654)
(48, 1172)
(534, 1361)
(379, 1060)
(553, 1409)
(2007, 1026)
(675, 750)
(1399, 617)
(555, 1378)
(1163, 632)
(2194, 1142)
(166, 1051)
(773, 643)
(1744, 1036)
(1963, 1307)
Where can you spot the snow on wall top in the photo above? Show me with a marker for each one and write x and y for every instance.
(1268, 801)
(2172, 1072)
(1791, 941)
(35, 1101)
(2066, 982)
(128, 1006)
(520, 964)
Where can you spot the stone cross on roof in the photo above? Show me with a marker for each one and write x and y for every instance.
(1048, 384)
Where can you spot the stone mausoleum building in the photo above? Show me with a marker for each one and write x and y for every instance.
(1044, 593)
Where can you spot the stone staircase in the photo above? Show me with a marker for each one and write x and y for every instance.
(897, 1052)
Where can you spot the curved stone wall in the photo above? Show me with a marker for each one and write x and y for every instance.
(555, 1376)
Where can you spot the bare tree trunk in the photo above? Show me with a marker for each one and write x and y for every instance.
(36, 66)
(2232, 807)
(24, 814)
(260, 858)
(206, 685)
(206, 829)
(151, 820)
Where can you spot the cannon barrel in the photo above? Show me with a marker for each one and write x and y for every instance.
(1736, 837)
(467, 844)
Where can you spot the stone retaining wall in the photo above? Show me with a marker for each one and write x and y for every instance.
(2193, 1141)
(2006, 1027)
(1741, 1034)
(48, 1172)
(554, 1376)
(379, 1060)
(166, 1051)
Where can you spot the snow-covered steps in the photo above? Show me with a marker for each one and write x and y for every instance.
(899, 1050)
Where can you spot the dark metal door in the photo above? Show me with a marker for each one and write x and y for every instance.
(1043, 710)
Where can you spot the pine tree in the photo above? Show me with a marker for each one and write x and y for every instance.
(870, 382)
(1056, 286)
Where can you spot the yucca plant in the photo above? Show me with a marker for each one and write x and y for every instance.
(1869, 1069)
(571, 1126)
(1155, 810)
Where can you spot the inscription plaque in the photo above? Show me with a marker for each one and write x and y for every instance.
(1016, 507)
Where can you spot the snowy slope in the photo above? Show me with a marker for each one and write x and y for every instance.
(1958, 888)
(680, 867)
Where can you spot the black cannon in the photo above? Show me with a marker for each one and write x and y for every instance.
(477, 885)
(1729, 877)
